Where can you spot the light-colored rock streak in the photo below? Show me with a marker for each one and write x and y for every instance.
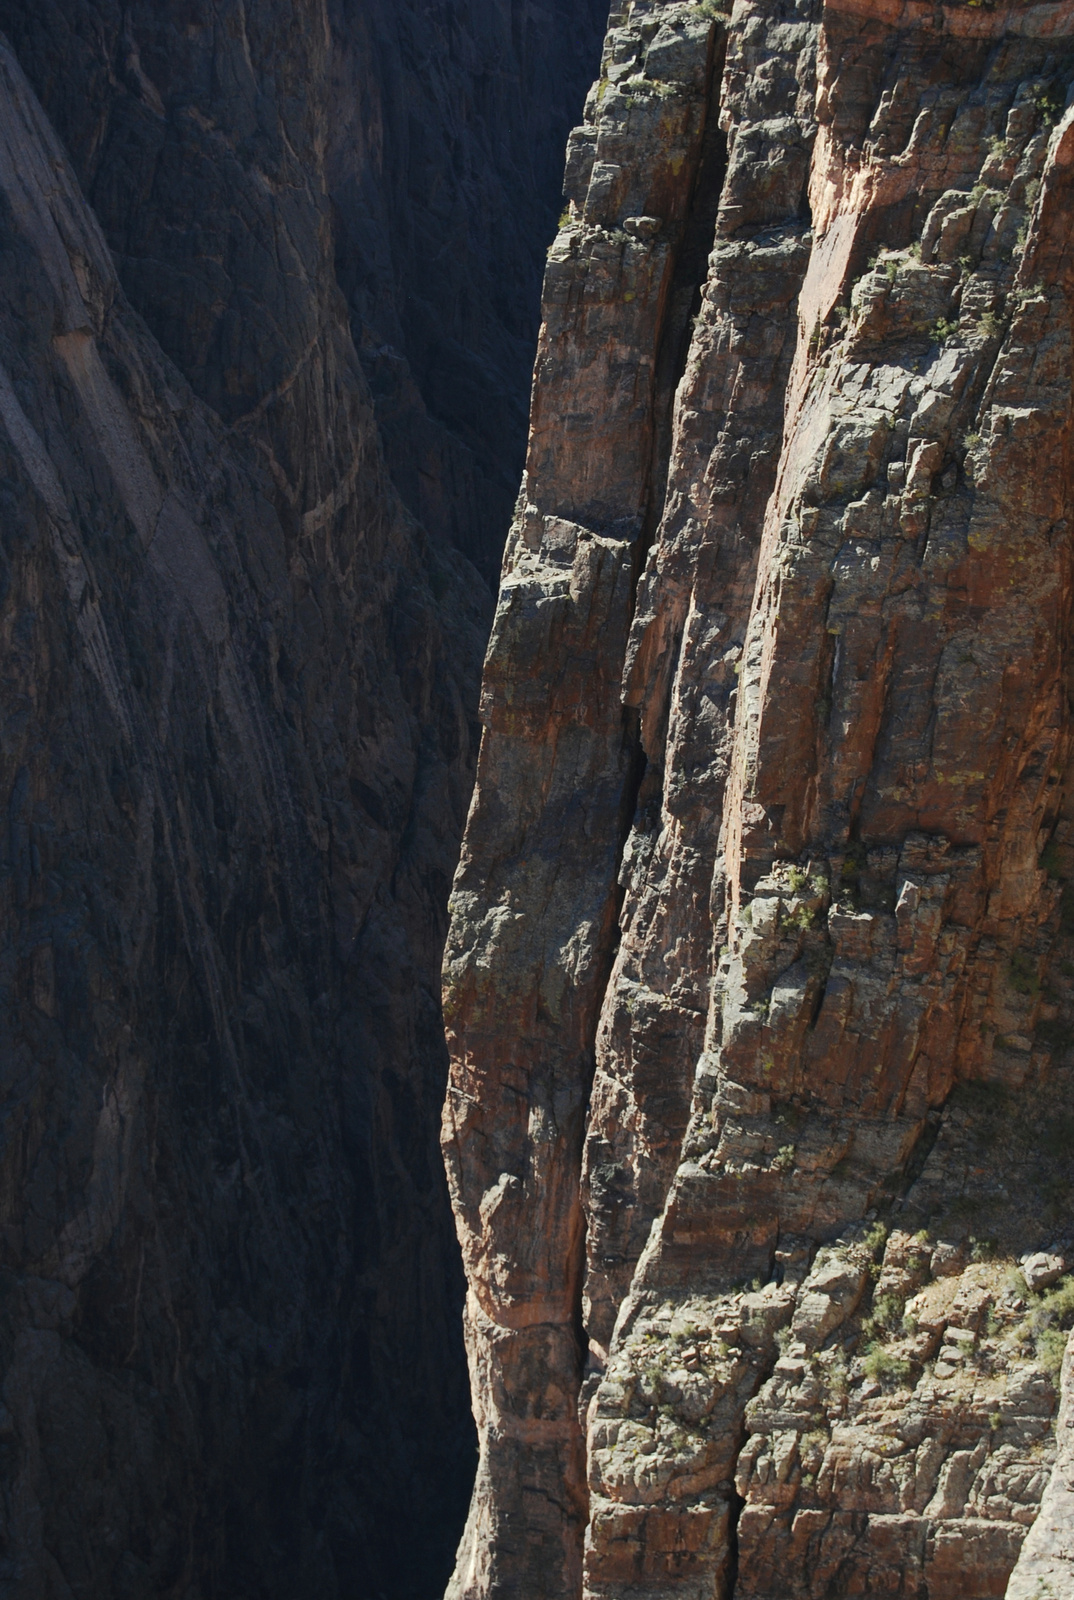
(684, 658)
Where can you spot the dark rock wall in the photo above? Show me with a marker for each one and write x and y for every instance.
(239, 158)
(445, 168)
(236, 749)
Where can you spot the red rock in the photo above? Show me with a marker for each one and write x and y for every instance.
(846, 659)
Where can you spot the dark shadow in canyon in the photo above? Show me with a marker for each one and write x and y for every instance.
(237, 735)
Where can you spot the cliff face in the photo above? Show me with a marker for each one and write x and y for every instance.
(406, 155)
(758, 983)
(236, 751)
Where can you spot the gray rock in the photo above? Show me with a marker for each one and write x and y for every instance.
(1046, 1565)
(1042, 1270)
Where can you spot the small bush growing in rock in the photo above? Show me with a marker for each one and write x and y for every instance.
(838, 1376)
(1052, 1320)
(1050, 107)
(886, 1316)
(1058, 1303)
(1035, 291)
(876, 1238)
(802, 919)
(883, 1367)
(1051, 1348)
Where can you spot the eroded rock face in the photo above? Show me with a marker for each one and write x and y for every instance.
(445, 168)
(779, 1090)
(237, 741)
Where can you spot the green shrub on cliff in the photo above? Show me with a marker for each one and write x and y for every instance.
(883, 1367)
(1051, 1322)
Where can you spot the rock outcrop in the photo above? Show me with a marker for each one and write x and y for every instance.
(758, 982)
(237, 741)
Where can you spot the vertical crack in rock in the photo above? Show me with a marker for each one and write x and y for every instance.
(685, 291)
(651, 1026)
(804, 818)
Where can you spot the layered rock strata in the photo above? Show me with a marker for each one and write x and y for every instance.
(757, 982)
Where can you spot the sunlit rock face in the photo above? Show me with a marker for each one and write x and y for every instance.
(267, 310)
(758, 985)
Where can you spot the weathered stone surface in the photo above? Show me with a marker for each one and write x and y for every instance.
(530, 946)
(831, 1102)
(1041, 1270)
(682, 670)
(1046, 1564)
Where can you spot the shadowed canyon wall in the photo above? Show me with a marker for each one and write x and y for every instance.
(425, 142)
(759, 985)
(269, 289)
